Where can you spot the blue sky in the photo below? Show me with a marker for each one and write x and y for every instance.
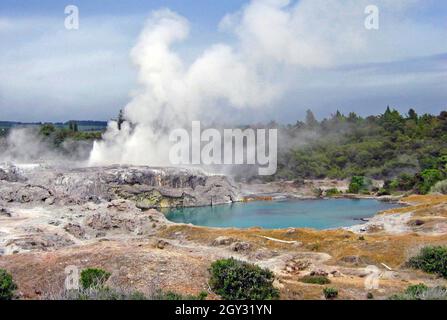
(48, 73)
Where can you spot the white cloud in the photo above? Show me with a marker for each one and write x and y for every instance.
(50, 73)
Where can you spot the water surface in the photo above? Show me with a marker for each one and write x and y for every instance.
(318, 214)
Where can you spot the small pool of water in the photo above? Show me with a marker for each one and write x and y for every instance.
(317, 214)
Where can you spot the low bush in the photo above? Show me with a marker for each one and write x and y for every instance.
(119, 293)
(440, 187)
(321, 280)
(421, 292)
(93, 278)
(237, 280)
(332, 192)
(100, 293)
(330, 293)
(431, 259)
(169, 295)
(7, 285)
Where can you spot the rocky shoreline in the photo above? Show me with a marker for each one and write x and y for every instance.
(104, 217)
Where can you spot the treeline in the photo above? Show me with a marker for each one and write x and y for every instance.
(57, 135)
(408, 151)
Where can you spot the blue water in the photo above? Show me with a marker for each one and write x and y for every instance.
(317, 214)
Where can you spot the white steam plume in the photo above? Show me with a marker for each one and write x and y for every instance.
(274, 39)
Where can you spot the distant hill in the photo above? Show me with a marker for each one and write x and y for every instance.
(83, 125)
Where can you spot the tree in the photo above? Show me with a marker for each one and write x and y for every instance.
(73, 126)
(427, 179)
(412, 115)
(311, 121)
(47, 129)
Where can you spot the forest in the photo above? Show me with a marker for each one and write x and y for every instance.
(408, 151)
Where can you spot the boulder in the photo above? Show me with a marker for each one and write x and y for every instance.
(223, 241)
(240, 246)
(319, 273)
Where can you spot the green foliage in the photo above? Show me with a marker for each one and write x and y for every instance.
(431, 259)
(421, 292)
(330, 293)
(427, 179)
(321, 280)
(108, 293)
(369, 296)
(169, 295)
(102, 293)
(7, 285)
(416, 290)
(93, 278)
(47, 129)
(357, 184)
(57, 135)
(332, 192)
(237, 280)
(391, 147)
(440, 187)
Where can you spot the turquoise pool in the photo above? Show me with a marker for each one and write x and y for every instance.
(318, 214)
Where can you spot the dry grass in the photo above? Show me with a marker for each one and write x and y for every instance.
(389, 249)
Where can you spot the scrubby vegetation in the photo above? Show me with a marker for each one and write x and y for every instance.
(321, 280)
(108, 293)
(440, 187)
(330, 293)
(93, 278)
(237, 280)
(7, 285)
(408, 151)
(421, 292)
(57, 135)
(332, 192)
(176, 296)
(431, 259)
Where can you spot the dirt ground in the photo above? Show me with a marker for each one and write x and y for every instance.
(177, 257)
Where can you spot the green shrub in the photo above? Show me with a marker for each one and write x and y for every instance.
(431, 259)
(93, 278)
(359, 184)
(427, 179)
(421, 292)
(237, 280)
(416, 290)
(7, 285)
(99, 293)
(369, 296)
(440, 187)
(321, 280)
(332, 192)
(169, 295)
(330, 293)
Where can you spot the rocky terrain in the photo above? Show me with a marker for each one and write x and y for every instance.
(52, 217)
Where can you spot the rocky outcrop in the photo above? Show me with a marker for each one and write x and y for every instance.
(147, 187)
(10, 173)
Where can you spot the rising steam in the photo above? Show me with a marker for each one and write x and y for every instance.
(273, 39)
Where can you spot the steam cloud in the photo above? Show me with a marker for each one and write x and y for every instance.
(26, 145)
(274, 40)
